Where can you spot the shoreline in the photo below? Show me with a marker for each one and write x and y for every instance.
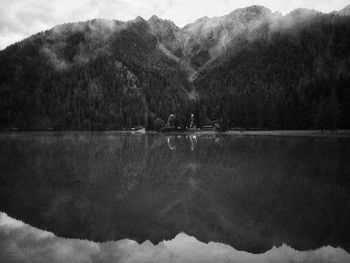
(292, 133)
(307, 133)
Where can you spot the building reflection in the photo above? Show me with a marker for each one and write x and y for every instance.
(175, 141)
(193, 141)
(171, 142)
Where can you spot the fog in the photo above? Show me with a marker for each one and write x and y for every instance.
(22, 18)
(95, 32)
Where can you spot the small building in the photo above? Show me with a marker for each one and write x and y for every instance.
(171, 122)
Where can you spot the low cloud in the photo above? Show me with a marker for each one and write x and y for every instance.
(58, 63)
(95, 31)
(22, 243)
(21, 18)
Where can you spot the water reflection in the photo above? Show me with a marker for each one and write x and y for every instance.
(250, 192)
(193, 140)
(172, 140)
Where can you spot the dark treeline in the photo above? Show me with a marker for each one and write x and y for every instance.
(112, 75)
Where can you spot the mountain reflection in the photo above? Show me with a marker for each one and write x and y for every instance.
(250, 192)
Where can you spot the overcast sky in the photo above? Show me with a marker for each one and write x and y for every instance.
(22, 18)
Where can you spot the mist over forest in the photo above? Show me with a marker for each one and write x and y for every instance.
(251, 68)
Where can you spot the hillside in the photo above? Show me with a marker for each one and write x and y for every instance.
(98, 74)
(250, 68)
(292, 73)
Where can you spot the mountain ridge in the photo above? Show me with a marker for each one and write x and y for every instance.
(343, 11)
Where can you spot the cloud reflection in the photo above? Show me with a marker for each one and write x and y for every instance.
(22, 243)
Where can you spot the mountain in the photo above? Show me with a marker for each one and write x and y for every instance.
(250, 68)
(197, 44)
(294, 74)
(206, 39)
(98, 74)
(343, 12)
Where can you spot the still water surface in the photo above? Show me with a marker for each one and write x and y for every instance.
(249, 192)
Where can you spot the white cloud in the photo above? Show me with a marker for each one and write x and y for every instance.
(22, 243)
(22, 18)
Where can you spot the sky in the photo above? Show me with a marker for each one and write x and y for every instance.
(21, 18)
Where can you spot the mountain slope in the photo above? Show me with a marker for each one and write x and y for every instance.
(97, 74)
(250, 68)
(295, 74)
(343, 12)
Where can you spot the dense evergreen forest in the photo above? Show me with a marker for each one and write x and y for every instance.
(275, 72)
(293, 79)
(112, 84)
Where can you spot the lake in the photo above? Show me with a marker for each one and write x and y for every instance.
(251, 192)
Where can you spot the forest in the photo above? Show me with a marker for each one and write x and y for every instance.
(112, 75)
(297, 79)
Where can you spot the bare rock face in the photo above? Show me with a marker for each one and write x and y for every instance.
(163, 29)
(167, 33)
(343, 12)
(199, 43)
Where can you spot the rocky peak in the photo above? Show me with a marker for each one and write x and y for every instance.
(161, 24)
(162, 29)
(139, 19)
(153, 18)
(254, 11)
(343, 12)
